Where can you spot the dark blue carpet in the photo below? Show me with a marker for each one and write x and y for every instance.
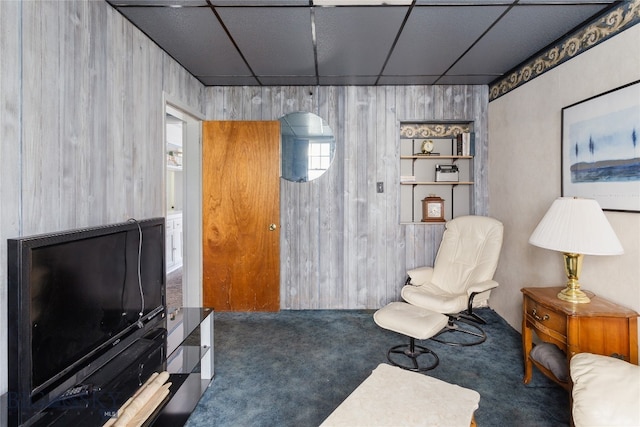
(293, 368)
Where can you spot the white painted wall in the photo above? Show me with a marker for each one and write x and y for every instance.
(524, 177)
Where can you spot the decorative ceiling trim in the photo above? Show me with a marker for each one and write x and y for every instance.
(606, 26)
(433, 130)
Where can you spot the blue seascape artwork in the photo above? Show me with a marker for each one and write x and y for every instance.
(606, 148)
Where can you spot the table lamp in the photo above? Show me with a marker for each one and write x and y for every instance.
(575, 227)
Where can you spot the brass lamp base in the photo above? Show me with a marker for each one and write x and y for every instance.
(575, 296)
(572, 293)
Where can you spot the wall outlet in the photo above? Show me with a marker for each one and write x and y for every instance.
(380, 187)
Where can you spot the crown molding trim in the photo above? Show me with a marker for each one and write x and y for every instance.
(602, 28)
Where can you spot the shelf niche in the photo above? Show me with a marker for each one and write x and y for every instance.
(417, 171)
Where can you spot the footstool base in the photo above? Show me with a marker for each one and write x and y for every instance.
(416, 323)
(412, 360)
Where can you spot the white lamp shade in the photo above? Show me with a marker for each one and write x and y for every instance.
(576, 225)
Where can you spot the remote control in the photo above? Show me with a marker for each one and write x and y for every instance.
(81, 390)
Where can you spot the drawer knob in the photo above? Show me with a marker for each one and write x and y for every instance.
(535, 316)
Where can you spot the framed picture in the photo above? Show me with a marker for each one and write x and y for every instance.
(601, 149)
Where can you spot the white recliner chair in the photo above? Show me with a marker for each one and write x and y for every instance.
(461, 277)
(436, 297)
(606, 391)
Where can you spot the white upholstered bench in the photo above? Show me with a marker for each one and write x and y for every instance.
(392, 396)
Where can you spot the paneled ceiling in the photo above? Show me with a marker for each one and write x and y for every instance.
(339, 42)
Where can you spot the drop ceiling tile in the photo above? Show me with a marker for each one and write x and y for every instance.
(355, 40)
(288, 80)
(461, 2)
(348, 80)
(167, 3)
(513, 39)
(331, 3)
(192, 36)
(260, 2)
(466, 80)
(408, 80)
(275, 41)
(542, 2)
(435, 37)
(228, 80)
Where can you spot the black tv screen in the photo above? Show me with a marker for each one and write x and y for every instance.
(75, 295)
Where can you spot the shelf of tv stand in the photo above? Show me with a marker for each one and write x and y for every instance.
(184, 355)
(189, 361)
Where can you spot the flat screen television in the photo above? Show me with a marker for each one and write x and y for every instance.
(75, 299)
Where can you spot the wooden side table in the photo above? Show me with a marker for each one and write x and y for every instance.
(600, 327)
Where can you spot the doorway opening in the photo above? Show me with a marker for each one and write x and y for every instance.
(183, 216)
(174, 141)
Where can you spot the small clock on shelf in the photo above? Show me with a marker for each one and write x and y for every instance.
(427, 146)
(433, 209)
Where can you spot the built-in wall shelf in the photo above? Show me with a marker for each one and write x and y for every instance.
(448, 183)
(451, 145)
(436, 157)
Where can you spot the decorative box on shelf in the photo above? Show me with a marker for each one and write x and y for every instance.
(447, 173)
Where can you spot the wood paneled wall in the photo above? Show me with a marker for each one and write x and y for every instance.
(81, 114)
(81, 130)
(342, 245)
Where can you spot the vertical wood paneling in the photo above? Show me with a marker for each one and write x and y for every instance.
(395, 239)
(115, 102)
(81, 121)
(481, 161)
(341, 242)
(330, 218)
(383, 161)
(41, 149)
(10, 175)
(350, 244)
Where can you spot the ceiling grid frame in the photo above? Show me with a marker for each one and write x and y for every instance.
(360, 43)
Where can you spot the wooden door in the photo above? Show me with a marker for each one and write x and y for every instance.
(241, 213)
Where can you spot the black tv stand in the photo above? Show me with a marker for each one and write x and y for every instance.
(176, 349)
(185, 355)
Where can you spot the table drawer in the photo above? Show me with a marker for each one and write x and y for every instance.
(545, 319)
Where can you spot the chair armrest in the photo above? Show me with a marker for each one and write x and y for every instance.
(421, 275)
(482, 287)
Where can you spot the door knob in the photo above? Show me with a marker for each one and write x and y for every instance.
(272, 227)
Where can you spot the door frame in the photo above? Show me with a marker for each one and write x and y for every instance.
(192, 191)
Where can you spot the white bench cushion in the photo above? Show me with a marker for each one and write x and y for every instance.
(391, 396)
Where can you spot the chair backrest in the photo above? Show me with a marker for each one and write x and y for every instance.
(468, 254)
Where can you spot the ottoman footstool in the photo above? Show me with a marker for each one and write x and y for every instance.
(416, 323)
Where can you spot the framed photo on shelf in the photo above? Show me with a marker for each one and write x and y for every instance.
(601, 149)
